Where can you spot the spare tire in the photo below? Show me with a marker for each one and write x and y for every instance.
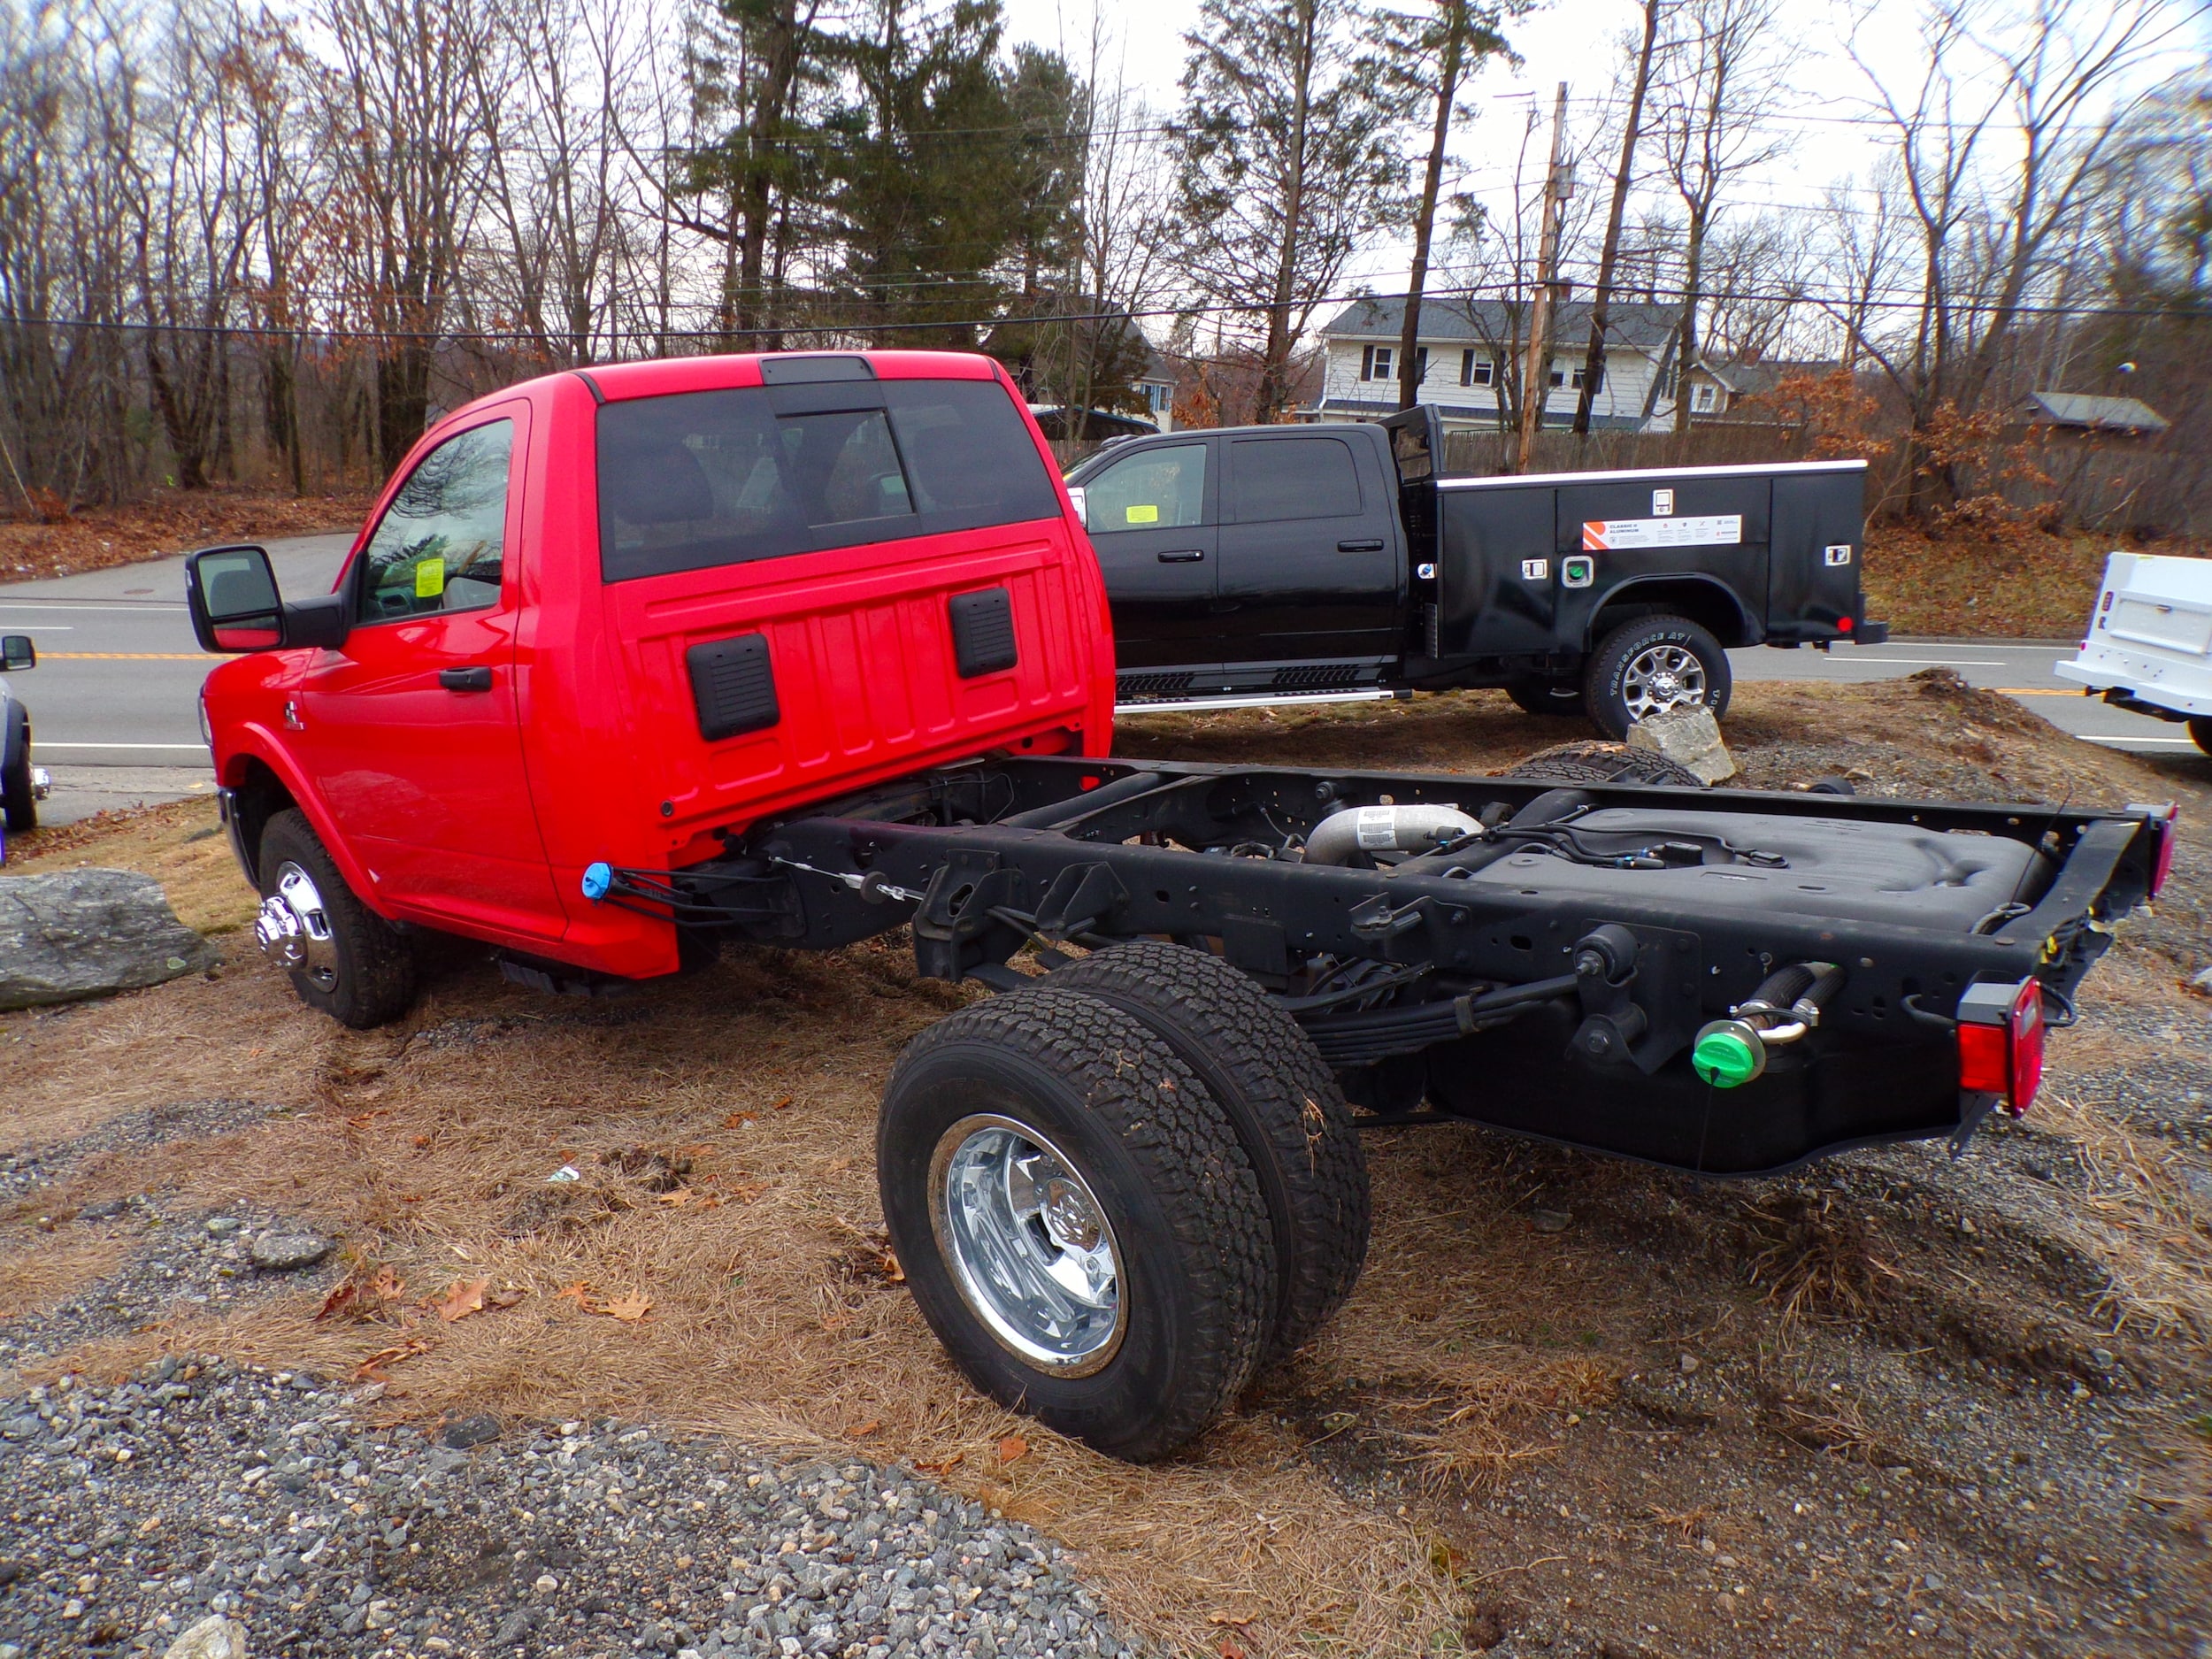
(1594, 761)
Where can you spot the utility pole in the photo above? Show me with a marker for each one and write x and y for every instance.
(1536, 374)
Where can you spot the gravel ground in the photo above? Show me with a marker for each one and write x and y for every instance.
(132, 1512)
(22, 1173)
(181, 1259)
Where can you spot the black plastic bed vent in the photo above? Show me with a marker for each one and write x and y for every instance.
(733, 686)
(983, 632)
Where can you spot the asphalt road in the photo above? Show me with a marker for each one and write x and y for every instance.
(114, 698)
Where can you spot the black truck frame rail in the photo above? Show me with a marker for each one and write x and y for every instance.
(1558, 997)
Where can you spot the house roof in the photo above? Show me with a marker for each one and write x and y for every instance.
(1750, 379)
(2096, 414)
(1632, 324)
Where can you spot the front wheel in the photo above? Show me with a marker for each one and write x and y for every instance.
(1075, 1220)
(18, 790)
(1651, 665)
(344, 957)
(2200, 734)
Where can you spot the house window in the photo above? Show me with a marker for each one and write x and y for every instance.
(1474, 371)
(1158, 397)
(1562, 376)
(1376, 363)
(1701, 399)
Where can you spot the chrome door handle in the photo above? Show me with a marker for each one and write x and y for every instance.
(1183, 556)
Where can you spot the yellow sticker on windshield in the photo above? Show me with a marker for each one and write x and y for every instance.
(1144, 515)
(430, 578)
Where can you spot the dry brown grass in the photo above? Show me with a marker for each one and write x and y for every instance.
(170, 521)
(723, 1128)
(41, 1270)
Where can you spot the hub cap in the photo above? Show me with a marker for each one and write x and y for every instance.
(293, 928)
(1660, 677)
(1028, 1244)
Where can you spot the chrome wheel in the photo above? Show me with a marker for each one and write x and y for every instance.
(293, 928)
(1028, 1244)
(1660, 677)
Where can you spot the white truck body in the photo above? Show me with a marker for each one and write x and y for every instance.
(2148, 645)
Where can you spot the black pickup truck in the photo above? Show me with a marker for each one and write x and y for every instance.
(1260, 562)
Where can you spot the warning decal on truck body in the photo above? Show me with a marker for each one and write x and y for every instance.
(1603, 535)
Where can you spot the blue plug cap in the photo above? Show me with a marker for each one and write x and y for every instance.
(597, 878)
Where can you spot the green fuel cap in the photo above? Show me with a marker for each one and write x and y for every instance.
(1725, 1058)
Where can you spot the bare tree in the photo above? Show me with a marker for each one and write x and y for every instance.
(1728, 67)
(1624, 181)
(2001, 134)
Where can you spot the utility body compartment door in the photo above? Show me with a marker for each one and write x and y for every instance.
(410, 730)
(1313, 561)
(1819, 546)
(1715, 527)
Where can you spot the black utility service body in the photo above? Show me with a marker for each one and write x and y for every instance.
(1280, 560)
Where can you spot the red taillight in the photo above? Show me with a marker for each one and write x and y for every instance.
(1843, 625)
(2168, 817)
(2000, 1042)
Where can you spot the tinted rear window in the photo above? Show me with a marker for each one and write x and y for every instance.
(754, 473)
(1292, 478)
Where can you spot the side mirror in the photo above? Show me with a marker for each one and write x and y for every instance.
(232, 595)
(16, 652)
(1082, 507)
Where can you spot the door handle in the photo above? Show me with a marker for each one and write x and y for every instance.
(1183, 556)
(1363, 544)
(466, 678)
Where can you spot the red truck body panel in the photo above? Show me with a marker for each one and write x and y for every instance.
(476, 811)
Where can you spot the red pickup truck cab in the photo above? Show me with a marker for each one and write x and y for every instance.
(618, 613)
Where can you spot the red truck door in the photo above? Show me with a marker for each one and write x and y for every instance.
(411, 728)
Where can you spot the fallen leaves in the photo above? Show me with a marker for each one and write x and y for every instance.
(371, 1369)
(367, 1293)
(944, 1468)
(629, 1310)
(1012, 1450)
(861, 1431)
(464, 1297)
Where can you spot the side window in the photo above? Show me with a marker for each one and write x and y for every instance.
(438, 546)
(1157, 490)
(1292, 478)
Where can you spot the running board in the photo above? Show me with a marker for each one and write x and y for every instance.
(1255, 700)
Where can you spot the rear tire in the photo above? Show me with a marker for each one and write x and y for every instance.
(1547, 697)
(1591, 761)
(1290, 1116)
(1651, 664)
(367, 978)
(1142, 1164)
(17, 799)
(2200, 734)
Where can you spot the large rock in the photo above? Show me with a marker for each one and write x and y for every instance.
(214, 1637)
(88, 932)
(1688, 737)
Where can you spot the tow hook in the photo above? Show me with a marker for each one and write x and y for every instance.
(1729, 1053)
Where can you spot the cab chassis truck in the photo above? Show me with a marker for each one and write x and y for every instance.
(839, 621)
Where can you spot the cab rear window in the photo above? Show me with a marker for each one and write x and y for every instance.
(701, 478)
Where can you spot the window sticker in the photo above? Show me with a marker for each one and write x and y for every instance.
(430, 578)
(1143, 515)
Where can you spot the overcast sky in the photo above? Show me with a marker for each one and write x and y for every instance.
(1578, 41)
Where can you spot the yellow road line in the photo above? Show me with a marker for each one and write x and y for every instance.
(130, 657)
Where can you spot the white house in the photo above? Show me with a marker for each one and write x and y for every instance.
(1465, 346)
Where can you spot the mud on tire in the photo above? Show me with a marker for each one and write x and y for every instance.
(1092, 1093)
(1290, 1114)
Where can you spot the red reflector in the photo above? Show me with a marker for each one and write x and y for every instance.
(2163, 865)
(1845, 625)
(2026, 1073)
(1981, 1059)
